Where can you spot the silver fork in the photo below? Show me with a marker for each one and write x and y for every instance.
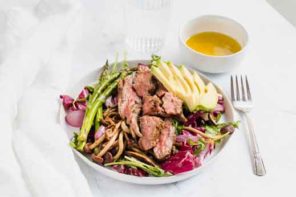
(242, 101)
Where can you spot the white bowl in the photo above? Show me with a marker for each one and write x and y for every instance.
(90, 79)
(212, 23)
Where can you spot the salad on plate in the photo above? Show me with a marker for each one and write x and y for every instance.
(151, 120)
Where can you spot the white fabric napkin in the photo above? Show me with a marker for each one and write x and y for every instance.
(35, 157)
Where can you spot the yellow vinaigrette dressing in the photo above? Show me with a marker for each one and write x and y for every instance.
(213, 43)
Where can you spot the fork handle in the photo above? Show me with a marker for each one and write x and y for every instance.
(259, 168)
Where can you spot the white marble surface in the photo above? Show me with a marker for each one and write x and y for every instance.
(270, 64)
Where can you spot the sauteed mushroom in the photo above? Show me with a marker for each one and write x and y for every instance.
(120, 147)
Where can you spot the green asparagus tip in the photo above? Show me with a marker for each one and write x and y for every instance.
(155, 59)
(105, 72)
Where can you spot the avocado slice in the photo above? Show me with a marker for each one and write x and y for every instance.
(199, 82)
(163, 79)
(189, 78)
(178, 77)
(165, 70)
(209, 99)
(195, 94)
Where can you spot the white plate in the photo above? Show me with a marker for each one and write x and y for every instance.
(90, 79)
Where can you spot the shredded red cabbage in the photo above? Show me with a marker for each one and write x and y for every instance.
(115, 100)
(119, 168)
(111, 101)
(220, 99)
(207, 151)
(192, 119)
(131, 171)
(83, 94)
(186, 136)
(100, 132)
(182, 161)
(136, 172)
(75, 108)
(219, 109)
(67, 101)
(186, 147)
(79, 104)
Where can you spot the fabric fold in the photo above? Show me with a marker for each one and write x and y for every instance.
(37, 160)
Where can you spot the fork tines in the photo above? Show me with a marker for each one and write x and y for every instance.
(241, 92)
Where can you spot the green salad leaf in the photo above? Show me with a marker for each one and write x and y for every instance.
(201, 146)
(178, 126)
(132, 162)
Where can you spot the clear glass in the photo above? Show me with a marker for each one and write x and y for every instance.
(146, 24)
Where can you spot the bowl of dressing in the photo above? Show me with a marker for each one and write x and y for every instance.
(213, 44)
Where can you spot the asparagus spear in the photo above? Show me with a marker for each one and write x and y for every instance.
(99, 117)
(101, 86)
(105, 79)
(105, 71)
(92, 110)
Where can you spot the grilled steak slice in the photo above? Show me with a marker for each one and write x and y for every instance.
(150, 127)
(172, 105)
(152, 106)
(166, 140)
(168, 106)
(143, 82)
(129, 104)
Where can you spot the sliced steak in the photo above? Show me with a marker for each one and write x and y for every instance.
(129, 104)
(166, 140)
(152, 105)
(172, 105)
(143, 82)
(151, 127)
